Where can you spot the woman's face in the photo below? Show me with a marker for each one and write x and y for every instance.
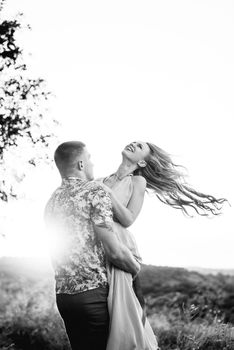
(136, 151)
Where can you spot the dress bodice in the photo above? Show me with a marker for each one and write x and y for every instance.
(123, 190)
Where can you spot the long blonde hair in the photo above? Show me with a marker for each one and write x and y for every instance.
(166, 180)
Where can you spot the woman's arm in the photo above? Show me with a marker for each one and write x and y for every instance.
(117, 252)
(126, 216)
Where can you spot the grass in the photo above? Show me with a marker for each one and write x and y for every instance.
(199, 334)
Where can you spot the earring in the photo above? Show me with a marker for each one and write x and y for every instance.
(142, 163)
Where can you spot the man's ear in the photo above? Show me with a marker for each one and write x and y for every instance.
(80, 165)
(142, 163)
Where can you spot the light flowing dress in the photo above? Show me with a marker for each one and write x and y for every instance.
(127, 331)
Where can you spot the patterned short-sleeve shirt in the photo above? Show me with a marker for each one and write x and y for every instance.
(77, 254)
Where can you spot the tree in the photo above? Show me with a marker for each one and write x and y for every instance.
(23, 119)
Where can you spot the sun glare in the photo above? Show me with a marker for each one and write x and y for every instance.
(25, 234)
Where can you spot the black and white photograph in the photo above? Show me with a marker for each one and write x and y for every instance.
(116, 175)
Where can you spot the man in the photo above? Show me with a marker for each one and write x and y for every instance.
(79, 218)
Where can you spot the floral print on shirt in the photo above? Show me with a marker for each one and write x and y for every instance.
(77, 254)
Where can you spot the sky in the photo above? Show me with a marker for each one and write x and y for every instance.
(157, 71)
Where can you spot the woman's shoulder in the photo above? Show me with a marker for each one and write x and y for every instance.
(139, 180)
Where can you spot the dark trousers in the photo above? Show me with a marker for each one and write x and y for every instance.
(86, 318)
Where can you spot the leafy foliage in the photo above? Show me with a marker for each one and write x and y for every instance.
(22, 105)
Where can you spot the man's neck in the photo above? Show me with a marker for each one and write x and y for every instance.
(75, 175)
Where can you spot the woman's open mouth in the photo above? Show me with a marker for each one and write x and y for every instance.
(130, 148)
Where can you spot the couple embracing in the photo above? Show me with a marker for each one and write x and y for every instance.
(94, 256)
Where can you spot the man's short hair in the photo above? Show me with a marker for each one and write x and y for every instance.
(66, 154)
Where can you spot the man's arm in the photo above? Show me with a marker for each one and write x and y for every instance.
(118, 254)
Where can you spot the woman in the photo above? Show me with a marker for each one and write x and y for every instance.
(144, 166)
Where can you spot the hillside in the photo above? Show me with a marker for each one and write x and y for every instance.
(178, 288)
(163, 287)
(181, 305)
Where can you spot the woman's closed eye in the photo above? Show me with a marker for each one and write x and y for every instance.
(138, 145)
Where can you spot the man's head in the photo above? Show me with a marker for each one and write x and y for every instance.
(73, 159)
